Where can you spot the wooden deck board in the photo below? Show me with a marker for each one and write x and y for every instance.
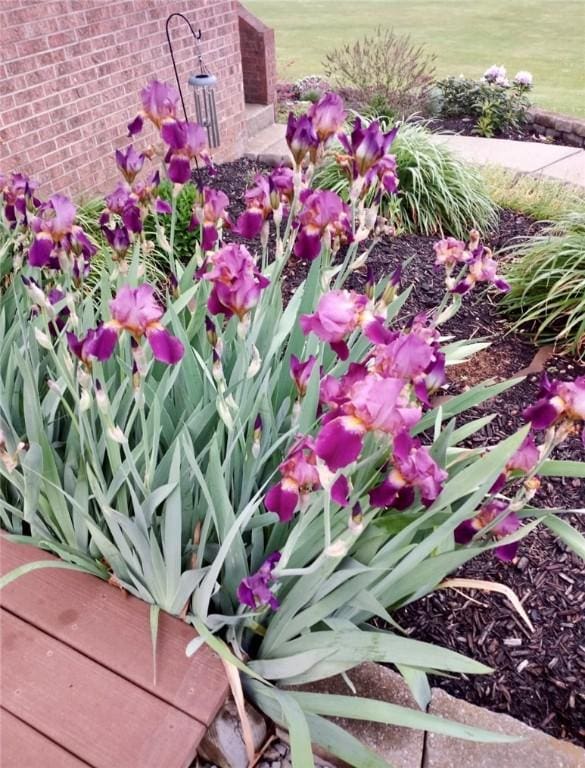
(23, 747)
(93, 713)
(112, 628)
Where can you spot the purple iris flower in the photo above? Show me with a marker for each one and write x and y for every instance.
(299, 477)
(509, 524)
(55, 296)
(124, 202)
(80, 249)
(130, 162)
(144, 190)
(137, 311)
(406, 357)
(258, 208)
(366, 146)
(56, 234)
(162, 206)
(159, 102)
(386, 171)
(187, 142)
(416, 356)
(450, 252)
(254, 591)
(118, 239)
(301, 137)
(482, 269)
(98, 344)
(558, 400)
(301, 372)
(524, 460)
(413, 468)
(281, 182)
(327, 116)
(323, 213)
(210, 211)
(266, 196)
(337, 315)
(372, 404)
(55, 217)
(135, 126)
(18, 199)
(237, 282)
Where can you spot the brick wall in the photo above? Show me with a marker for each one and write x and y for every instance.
(71, 72)
(258, 58)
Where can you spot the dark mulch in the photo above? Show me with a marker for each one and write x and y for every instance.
(548, 691)
(465, 126)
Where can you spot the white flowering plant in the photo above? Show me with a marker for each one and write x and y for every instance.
(494, 102)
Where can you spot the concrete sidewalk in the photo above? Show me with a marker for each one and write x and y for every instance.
(549, 160)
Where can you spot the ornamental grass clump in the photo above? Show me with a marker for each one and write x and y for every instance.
(436, 192)
(276, 474)
(386, 70)
(547, 276)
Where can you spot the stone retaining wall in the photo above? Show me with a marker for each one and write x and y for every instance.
(568, 130)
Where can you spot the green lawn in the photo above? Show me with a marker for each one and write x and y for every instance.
(547, 37)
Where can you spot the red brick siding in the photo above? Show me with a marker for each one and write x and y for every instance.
(258, 58)
(71, 73)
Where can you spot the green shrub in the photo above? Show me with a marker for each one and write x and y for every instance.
(312, 96)
(547, 275)
(437, 192)
(494, 108)
(309, 84)
(385, 66)
(378, 106)
(185, 240)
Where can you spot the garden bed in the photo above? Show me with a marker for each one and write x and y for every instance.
(548, 692)
(465, 126)
(462, 126)
(540, 128)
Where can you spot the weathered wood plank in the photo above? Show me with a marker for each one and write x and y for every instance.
(23, 747)
(90, 711)
(112, 628)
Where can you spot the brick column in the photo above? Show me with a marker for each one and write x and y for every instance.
(258, 58)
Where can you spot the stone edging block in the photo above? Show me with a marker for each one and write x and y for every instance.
(534, 750)
(409, 748)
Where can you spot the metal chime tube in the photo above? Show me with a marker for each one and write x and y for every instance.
(197, 107)
(205, 109)
(214, 125)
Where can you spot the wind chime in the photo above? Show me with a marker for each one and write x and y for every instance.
(203, 85)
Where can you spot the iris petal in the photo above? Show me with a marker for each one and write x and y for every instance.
(166, 348)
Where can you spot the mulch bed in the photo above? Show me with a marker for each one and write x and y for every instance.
(465, 126)
(539, 677)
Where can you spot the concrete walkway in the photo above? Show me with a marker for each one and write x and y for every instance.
(549, 160)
